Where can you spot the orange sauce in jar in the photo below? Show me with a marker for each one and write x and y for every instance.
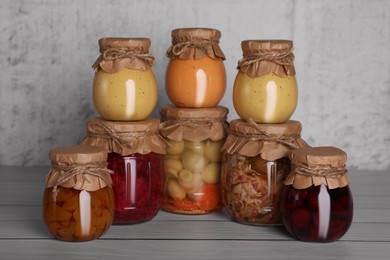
(195, 75)
(195, 83)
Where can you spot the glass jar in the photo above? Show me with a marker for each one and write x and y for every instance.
(193, 159)
(135, 155)
(265, 88)
(124, 86)
(318, 205)
(78, 202)
(195, 75)
(254, 167)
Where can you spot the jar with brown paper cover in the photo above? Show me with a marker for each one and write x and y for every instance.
(135, 154)
(318, 205)
(78, 202)
(195, 75)
(124, 86)
(265, 88)
(254, 167)
(193, 159)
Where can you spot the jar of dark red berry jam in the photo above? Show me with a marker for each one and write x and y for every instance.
(318, 204)
(78, 202)
(135, 155)
(254, 167)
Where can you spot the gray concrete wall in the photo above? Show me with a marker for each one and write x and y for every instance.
(342, 50)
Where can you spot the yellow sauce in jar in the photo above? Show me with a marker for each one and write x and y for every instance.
(265, 99)
(127, 95)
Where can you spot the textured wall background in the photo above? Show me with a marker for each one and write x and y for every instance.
(342, 50)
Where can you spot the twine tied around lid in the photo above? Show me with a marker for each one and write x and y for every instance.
(118, 138)
(198, 125)
(325, 171)
(288, 140)
(68, 172)
(284, 58)
(114, 53)
(180, 47)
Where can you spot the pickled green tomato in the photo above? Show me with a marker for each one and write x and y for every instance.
(127, 95)
(265, 99)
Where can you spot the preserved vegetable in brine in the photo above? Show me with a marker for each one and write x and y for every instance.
(192, 165)
(252, 188)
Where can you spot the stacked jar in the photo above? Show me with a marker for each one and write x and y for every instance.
(255, 162)
(125, 94)
(195, 126)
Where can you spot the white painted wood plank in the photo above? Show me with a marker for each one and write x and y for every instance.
(192, 249)
(191, 230)
(366, 215)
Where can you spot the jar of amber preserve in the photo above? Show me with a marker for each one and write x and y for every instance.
(254, 167)
(318, 205)
(78, 202)
(265, 88)
(195, 75)
(193, 159)
(135, 155)
(124, 86)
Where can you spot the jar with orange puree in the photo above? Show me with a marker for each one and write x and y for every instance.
(124, 86)
(195, 75)
(265, 88)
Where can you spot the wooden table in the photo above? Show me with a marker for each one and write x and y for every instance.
(170, 236)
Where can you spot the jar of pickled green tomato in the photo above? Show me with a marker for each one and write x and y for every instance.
(124, 86)
(193, 159)
(318, 205)
(265, 88)
(135, 151)
(254, 167)
(195, 75)
(78, 202)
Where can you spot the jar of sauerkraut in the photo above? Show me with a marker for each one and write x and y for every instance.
(318, 205)
(195, 75)
(135, 151)
(124, 86)
(265, 88)
(78, 202)
(193, 159)
(254, 167)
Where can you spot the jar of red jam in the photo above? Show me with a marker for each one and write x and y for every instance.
(78, 202)
(254, 167)
(318, 204)
(193, 159)
(195, 75)
(135, 155)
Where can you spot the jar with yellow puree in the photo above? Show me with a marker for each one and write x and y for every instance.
(124, 86)
(78, 202)
(265, 88)
(192, 163)
(195, 75)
